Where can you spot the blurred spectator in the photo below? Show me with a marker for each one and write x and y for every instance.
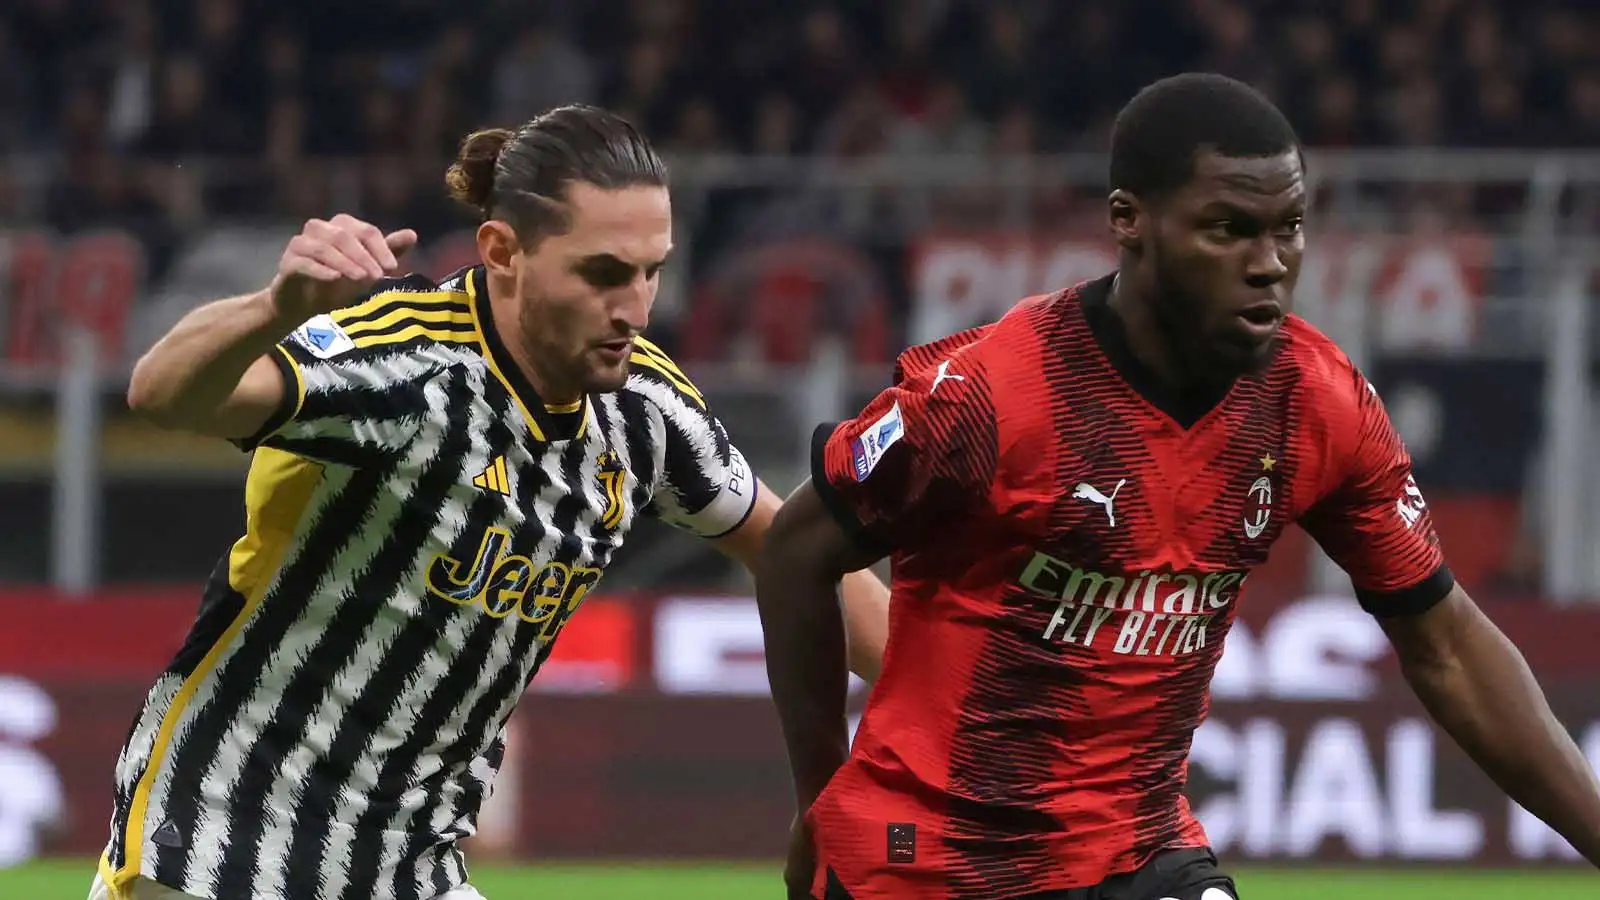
(186, 121)
(1234, 47)
(945, 126)
(826, 66)
(172, 80)
(103, 192)
(698, 130)
(543, 69)
(1002, 67)
(1583, 110)
(641, 89)
(859, 127)
(1016, 133)
(777, 127)
(1336, 117)
(133, 75)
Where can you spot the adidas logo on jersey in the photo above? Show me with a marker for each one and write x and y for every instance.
(495, 478)
(166, 835)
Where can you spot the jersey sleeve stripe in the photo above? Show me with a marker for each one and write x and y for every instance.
(400, 333)
(649, 348)
(677, 380)
(289, 405)
(385, 302)
(829, 495)
(272, 552)
(454, 314)
(1411, 601)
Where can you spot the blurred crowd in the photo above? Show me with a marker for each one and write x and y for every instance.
(106, 88)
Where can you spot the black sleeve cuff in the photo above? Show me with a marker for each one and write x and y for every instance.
(1411, 601)
(835, 504)
(288, 403)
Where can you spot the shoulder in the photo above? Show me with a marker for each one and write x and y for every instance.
(656, 379)
(1321, 364)
(915, 360)
(951, 368)
(410, 319)
(1331, 386)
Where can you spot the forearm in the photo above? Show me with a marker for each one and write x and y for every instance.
(196, 366)
(866, 621)
(806, 664)
(1484, 695)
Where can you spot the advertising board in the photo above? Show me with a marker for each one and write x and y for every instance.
(649, 733)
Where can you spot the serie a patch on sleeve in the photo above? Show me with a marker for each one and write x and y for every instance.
(322, 337)
(867, 448)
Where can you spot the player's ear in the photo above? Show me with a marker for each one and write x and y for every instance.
(1127, 219)
(498, 247)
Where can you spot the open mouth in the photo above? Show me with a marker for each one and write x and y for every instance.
(616, 349)
(1262, 315)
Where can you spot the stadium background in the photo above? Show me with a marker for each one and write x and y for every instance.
(849, 177)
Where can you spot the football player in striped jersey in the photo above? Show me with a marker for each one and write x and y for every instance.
(441, 473)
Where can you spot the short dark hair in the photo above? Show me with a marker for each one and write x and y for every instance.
(522, 176)
(1156, 137)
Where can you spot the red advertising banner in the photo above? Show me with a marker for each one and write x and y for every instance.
(1426, 290)
(649, 733)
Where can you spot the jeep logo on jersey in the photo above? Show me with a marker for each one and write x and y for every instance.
(501, 583)
(1163, 613)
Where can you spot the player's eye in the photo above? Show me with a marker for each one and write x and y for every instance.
(1292, 228)
(607, 274)
(1228, 230)
(651, 272)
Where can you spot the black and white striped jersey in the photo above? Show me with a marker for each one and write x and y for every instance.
(420, 529)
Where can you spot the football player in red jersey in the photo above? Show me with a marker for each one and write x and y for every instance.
(1072, 498)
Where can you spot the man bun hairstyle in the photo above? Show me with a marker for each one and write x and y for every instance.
(471, 177)
(522, 177)
(1158, 134)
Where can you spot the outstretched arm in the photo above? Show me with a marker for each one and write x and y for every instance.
(1377, 525)
(211, 373)
(798, 579)
(864, 599)
(1478, 687)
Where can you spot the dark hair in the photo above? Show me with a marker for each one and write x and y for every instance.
(1156, 137)
(523, 176)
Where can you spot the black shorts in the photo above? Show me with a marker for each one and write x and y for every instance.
(1172, 875)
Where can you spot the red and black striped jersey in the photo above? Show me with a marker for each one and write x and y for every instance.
(1069, 548)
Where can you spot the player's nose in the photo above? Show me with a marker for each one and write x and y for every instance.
(630, 307)
(1265, 265)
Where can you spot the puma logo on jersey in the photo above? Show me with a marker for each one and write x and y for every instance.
(944, 375)
(1087, 491)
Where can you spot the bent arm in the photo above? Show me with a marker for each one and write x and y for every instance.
(1478, 687)
(864, 597)
(210, 374)
(797, 589)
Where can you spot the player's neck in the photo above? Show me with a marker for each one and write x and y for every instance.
(1146, 338)
(552, 390)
